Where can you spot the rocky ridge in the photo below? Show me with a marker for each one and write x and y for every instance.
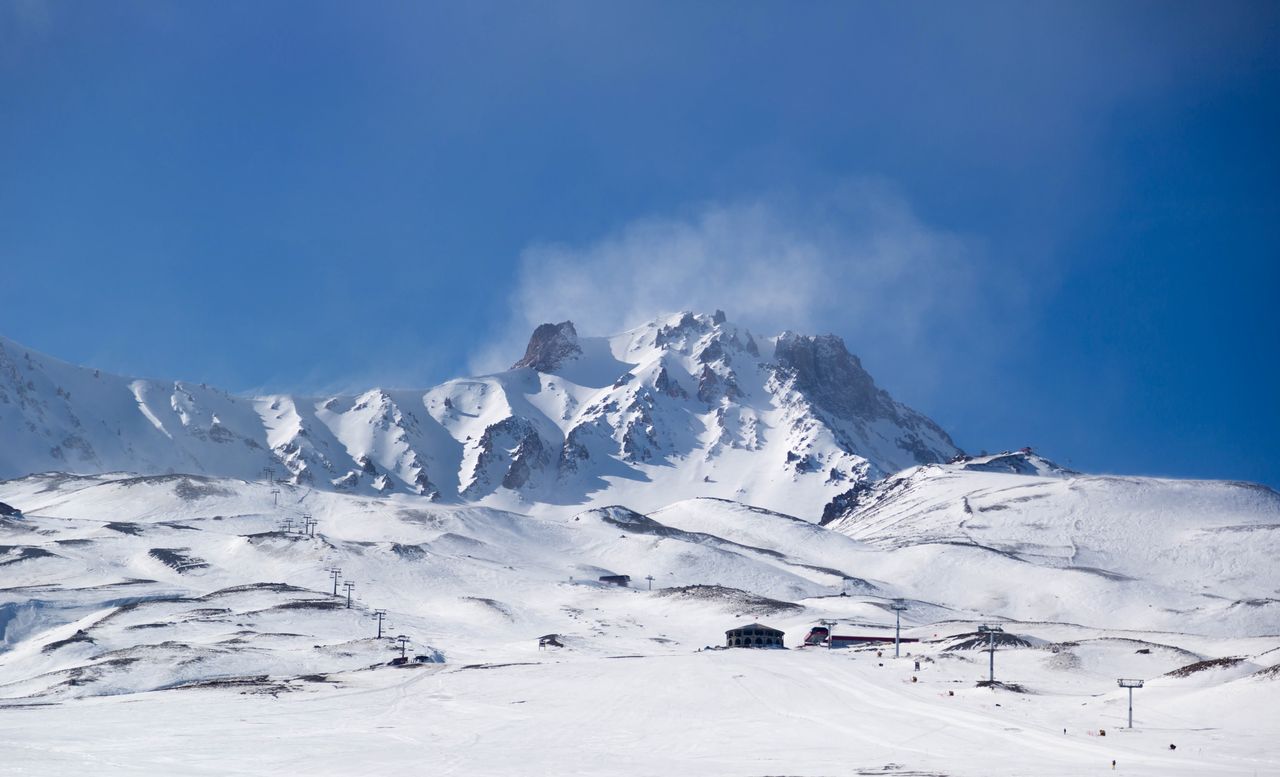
(691, 403)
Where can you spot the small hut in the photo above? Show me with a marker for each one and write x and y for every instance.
(753, 635)
(622, 580)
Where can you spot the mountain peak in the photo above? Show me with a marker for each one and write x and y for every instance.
(687, 405)
(549, 346)
(832, 377)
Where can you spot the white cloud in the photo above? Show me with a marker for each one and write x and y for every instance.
(857, 261)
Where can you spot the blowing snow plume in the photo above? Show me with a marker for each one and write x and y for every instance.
(857, 260)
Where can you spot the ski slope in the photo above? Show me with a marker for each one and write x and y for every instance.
(227, 652)
(809, 712)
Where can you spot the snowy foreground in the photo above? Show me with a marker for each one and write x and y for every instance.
(167, 625)
(732, 712)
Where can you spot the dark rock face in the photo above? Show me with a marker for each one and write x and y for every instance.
(511, 453)
(831, 377)
(714, 352)
(689, 326)
(639, 431)
(549, 346)
(844, 503)
(802, 463)
(531, 455)
(833, 381)
(574, 449)
(708, 385)
(668, 385)
(9, 512)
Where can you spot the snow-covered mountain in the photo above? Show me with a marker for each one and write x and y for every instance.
(734, 478)
(686, 406)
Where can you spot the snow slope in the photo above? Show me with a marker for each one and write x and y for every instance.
(728, 713)
(1214, 542)
(233, 656)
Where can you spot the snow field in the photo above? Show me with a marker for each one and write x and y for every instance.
(631, 692)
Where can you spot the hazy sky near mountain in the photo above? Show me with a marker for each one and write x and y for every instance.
(1041, 223)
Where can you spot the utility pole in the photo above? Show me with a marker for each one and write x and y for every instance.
(898, 606)
(379, 614)
(650, 579)
(275, 497)
(288, 525)
(991, 631)
(269, 474)
(1130, 684)
(404, 642)
(831, 633)
(349, 585)
(309, 525)
(336, 573)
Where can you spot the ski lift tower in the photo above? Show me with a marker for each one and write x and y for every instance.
(831, 633)
(898, 606)
(1130, 684)
(991, 632)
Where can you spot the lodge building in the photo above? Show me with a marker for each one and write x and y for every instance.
(754, 635)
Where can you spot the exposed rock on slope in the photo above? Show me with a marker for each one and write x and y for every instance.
(550, 345)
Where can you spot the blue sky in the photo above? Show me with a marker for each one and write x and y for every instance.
(1054, 224)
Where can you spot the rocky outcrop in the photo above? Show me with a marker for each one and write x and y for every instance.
(639, 432)
(844, 503)
(574, 449)
(549, 346)
(830, 377)
(511, 454)
(668, 385)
